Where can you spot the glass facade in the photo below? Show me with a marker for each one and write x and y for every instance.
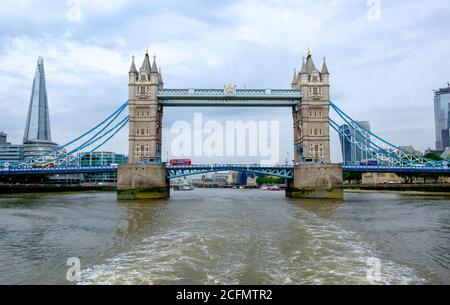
(442, 118)
(11, 153)
(351, 153)
(37, 139)
(38, 122)
(102, 159)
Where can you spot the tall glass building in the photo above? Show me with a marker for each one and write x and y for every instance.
(351, 153)
(37, 138)
(442, 118)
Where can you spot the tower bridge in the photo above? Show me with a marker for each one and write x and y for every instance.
(312, 175)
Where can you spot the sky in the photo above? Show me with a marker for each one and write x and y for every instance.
(385, 59)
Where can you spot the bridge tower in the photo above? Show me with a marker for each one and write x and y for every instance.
(144, 176)
(315, 176)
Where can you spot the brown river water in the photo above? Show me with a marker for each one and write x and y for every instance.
(224, 237)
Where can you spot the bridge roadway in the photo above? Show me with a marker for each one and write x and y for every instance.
(183, 171)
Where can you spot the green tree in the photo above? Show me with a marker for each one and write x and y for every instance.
(434, 156)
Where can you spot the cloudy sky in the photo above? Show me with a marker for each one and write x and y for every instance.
(382, 69)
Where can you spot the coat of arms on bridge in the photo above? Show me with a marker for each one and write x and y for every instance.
(230, 89)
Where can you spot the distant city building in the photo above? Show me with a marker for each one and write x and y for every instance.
(11, 153)
(442, 118)
(8, 152)
(251, 182)
(233, 178)
(351, 153)
(220, 177)
(446, 154)
(3, 137)
(37, 138)
(101, 159)
(410, 149)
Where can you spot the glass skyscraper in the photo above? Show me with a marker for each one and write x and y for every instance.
(37, 139)
(442, 118)
(351, 153)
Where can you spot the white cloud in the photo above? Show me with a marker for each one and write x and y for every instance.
(377, 67)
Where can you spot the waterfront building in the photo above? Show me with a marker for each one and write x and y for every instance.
(233, 178)
(220, 177)
(37, 139)
(351, 153)
(11, 153)
(3, 137)
(442, 118)
(101, 159)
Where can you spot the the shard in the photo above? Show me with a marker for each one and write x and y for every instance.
(37, 139)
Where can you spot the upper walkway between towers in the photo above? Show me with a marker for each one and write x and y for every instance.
(229, 96)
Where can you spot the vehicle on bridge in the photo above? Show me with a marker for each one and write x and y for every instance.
(45, 165)
(182, 162)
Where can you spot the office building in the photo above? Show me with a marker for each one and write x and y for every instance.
(9, 153)
(37, 138)
(101, 159)
(441, 117)
(352, 153)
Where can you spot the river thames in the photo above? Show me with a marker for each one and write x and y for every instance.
(224, 237)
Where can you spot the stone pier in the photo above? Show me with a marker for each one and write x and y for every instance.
(316, 181)
(138, 181)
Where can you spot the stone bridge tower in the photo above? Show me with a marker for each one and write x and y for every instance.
(145, 176)
(315, 176)
(145, 114)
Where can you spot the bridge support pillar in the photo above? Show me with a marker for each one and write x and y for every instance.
(316, 181)
(139, 181)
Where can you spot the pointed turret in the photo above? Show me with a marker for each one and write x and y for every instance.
(154, 75)
(146, 63)
(154, 66)
(133, 65)
(133, 74)
(325, 67)
(310, 63)
(303, 70)
(294, 78)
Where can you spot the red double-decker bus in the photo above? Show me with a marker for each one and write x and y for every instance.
(175, 162)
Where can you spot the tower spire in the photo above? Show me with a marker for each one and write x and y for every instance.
(294, 79)
(38, 122)
(310, 63)
(154, 66)
(133, 65)
(325, 67)
(146, 63)
(303, 70)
